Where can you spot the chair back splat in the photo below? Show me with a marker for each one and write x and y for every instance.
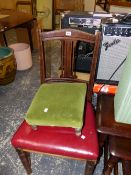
(67, 40)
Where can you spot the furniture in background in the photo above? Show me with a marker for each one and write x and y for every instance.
(64, 5)
(58, 140)
(117, 109)
(12, 19)
(120, 6)
(24, 6)
(120, 150)
(42, 10)
(102, 3)
(7, 65)
(107, 127)
(22, 32)
(2, 42)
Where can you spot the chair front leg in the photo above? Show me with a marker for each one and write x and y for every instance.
(25, 159)
(89, 168)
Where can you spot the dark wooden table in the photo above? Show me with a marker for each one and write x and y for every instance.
(12, 19)
(109, 128)
(106, 123)
(120, 3)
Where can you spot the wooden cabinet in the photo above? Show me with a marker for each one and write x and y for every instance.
(77, 5)
(119, 6)
(123, 3)
(65, 5)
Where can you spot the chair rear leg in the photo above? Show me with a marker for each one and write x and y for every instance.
(126, 167)
(116, 169)
(110, 165)
(25, 159)
(106, 151)
(89, 168)
(103, 143)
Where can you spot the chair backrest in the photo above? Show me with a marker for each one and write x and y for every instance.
(57, 49)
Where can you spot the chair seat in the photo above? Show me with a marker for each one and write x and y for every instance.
(120, 147)
(59, 140)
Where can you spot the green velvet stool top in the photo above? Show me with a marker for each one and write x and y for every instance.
(58, 104)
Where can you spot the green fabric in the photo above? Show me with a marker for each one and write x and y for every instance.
(65, 104)
(122, 100)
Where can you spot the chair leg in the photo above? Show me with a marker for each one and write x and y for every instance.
(103, 142)
(110, 165)
(25, 159)
(106, 151)
(126, 167)
(105, 4)
(89, 168)
(116, 169)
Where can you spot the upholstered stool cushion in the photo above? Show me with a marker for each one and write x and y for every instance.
(60, 141)
(58, 104)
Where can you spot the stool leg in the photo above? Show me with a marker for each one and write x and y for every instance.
(110, 165)
(89, 168)
(25, 159)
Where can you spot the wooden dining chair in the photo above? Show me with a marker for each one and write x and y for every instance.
(110, 131)
(120, 150)
(61, 140)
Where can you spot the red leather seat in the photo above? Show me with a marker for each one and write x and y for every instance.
(56, 140)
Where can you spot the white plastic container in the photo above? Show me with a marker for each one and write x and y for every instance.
(23, 55)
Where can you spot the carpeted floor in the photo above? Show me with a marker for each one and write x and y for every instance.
(15, 99)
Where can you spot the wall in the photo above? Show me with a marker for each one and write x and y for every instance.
(89, 5)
